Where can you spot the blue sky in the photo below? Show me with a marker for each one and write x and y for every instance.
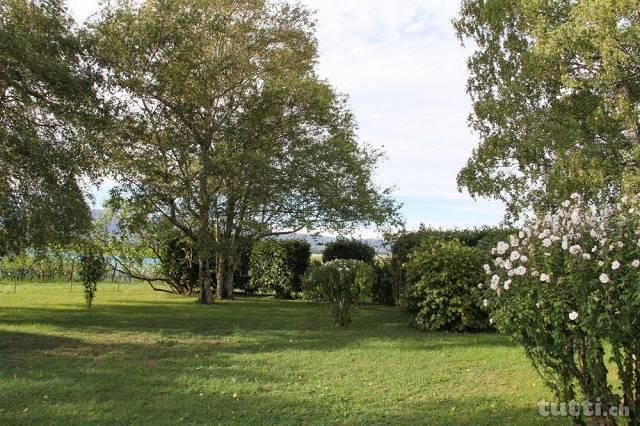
(405, 73)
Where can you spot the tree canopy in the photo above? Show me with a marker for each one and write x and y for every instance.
(556, 93)
(223, 128)
(46, 103)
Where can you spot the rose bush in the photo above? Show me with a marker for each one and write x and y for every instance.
(566, 287)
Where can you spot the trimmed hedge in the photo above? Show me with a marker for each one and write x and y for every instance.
(403, 244)
(442, 287)
(348, 249)
(278, 266)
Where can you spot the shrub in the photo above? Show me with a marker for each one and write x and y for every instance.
(348, 249)
(567, 286)
(382, 288)
(403, 244)
(278, 265)
(442, 287)
(94, 266)
(342, 283)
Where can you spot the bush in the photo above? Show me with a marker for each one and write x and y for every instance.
(94, 266)
(403, 244)
(442, 287)
(348, 249)
(342, 283)
(180, 266)
(382, 289)
(567, 286)
(278, 265)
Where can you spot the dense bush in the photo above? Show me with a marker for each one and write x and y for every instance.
(278, 265)
(348, 249)
(442, 287)
(566, 287)
(94, 266)
(403, 244)
(342, 283)
(382, 287)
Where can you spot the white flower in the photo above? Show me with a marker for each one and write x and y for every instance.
(493, 251)
(565, 242)
(524, 258)
(615, 265)
(625, 199)
(620, 244)
(600, 263)
(593, 233)
(495, 280)
(480, 286)
(573, 316)
(545, 278)
(515, 255)
(566, 204)
(487, 269)
(575, 217)
(604, 278)
(514, 241)
(491, 321)
(535, 274)
(502, 247)
(594, 249)
(576, 197)
(485, 302)
(547, 242)
(636, 263)
(539, 305)
(586, 256)
(632, 210)
(511, 272)
(575, 249)
(520, 270)
(507, 284)
(521, 234)
(547, 254)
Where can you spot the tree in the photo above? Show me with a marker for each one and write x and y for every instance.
(343, 248)
(556, 99)
(47, 109)
(224, 129)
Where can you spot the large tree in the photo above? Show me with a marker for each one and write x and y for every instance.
(225, 130)
(556, 93)
(46, 107)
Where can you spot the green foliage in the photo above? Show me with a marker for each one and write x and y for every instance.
(566, 288)
(341, 283)
(180, 266)
(383, 280)
(48, 108)
(556, 100)
(348, 249)
(404, 243)
(235, 117)
(278, 265)
(93, 267)
(442, 287)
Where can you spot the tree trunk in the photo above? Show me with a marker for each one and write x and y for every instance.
(204, 235)
(224, 279)
(206, 293)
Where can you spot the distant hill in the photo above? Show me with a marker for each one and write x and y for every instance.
(317, 242)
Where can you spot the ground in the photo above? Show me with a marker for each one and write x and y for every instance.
(141, 357)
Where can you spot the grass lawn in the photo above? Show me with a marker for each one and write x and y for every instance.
(140, 357)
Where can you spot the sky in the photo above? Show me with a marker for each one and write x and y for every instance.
(404, 71)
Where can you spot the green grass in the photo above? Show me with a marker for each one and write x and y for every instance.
(140, 357)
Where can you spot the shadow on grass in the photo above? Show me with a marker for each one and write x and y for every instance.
(59, 380)
(274, 325)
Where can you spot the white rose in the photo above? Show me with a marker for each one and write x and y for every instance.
(547, 242)
(615, 265)
(604, 278)
(575, 249)
(515, 255)
(635, 263)
(573, 316)
(520, 270)
(507, 285)
(586, 256)
(524, 259)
